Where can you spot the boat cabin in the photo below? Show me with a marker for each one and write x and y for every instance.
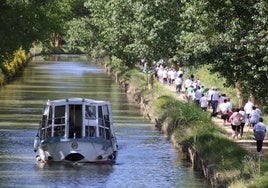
(76, 118)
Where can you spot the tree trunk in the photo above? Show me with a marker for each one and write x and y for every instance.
(239, 94)
(56, 38)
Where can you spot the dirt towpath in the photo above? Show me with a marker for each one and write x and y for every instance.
(250, 145)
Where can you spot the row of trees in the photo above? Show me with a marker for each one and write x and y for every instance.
(25, 22)
(230, 36)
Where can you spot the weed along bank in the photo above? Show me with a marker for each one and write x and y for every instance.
(221, 161)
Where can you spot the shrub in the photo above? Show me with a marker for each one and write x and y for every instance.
(15, 64)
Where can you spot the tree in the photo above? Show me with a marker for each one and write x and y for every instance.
(231, 36)
(131, 30)
(79, 33)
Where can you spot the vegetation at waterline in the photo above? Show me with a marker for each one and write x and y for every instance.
(13, 66)
(189, 127)
(229, 36)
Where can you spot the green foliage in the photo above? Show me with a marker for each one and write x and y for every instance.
(79, 33)
(232, 37)
(209, 80)
(134, 30)
(11, 67)
(25, 22)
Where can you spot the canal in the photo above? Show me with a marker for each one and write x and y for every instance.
(145, 158)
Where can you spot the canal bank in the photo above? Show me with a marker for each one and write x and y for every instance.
(223, 162)
(145, 158)
(204, 145)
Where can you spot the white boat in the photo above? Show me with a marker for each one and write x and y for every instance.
(76, 130)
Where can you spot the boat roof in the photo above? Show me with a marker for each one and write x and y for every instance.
(75, 101)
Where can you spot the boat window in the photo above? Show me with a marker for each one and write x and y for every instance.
(90, 112)
(59, 114)
(90, 131)
(100, 115)
(50, 115)
(104, 122)
(75, 121)
(59, 130)
(104, 116)
(48, 132)
(104, 133)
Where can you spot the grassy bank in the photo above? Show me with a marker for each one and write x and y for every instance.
(223, 162)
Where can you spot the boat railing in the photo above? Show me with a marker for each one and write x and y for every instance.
(59, 126)
(104, 132)
(90, 131)
(97, 128)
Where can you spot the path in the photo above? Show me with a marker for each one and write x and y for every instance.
(250, 145)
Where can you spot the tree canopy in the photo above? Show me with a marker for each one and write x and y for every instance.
(231, 36)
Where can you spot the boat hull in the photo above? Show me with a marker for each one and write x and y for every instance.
(93, 150)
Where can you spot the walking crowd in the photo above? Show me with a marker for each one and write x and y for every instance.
(210, 98)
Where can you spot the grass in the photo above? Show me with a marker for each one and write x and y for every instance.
(232, 165)
(214, 80)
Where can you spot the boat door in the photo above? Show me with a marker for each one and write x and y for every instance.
(75, 121)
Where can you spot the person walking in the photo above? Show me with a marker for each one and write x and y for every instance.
(248, 108)
(259, 134)
(204, 102)
(243, 113)
(236, 118)
(178, 83)
(214, 101)
(254, 117)
(223, 108)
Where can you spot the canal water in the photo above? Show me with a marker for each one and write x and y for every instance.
(145, 158)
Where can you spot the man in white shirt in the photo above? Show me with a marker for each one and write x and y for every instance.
(248, 108)
(215, 96)
(198, 95)
(178, 83)
(224, 111)
(204, 102)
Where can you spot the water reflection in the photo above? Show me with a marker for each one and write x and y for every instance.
(145, 158)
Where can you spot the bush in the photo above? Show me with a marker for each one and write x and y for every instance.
(15, 64)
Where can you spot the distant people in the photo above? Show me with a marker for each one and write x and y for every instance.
(172, 74)
(229, 104)
(160, 73)
(248, 108)
(165, 76)
(187, 83)
(178, 83)
(223, 96)
(190, 93)
(203, 102)
(215, 96)
(243, 113)
(236, 119)
(180, 71)
(224, 111)
(203, 89)
(197, 95)
(258, 110)
(209, 93)
(254, 117)
(259, 134)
